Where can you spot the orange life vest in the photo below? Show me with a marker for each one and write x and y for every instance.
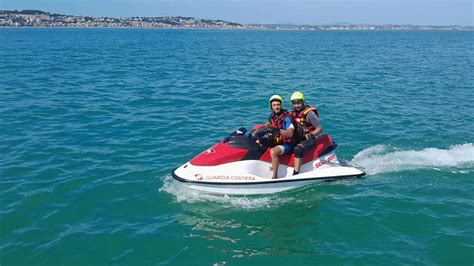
(299, 118)
(276, 120)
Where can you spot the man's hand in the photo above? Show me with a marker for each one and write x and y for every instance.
(309, 136)
(273, 130)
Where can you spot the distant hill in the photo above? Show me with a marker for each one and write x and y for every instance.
(26, 12)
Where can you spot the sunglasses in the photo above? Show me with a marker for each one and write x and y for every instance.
(297, 102)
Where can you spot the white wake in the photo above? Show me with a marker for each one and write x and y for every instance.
(383, 159)
(184, 194)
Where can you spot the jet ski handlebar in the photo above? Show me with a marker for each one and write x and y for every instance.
(259, 132)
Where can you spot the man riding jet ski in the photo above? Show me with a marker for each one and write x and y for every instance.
(308, 127)
(242, 163)
(281, 128)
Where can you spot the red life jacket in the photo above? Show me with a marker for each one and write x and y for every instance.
(299, 118)
(276, 120)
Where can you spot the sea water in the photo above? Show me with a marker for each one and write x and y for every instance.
(92, 122)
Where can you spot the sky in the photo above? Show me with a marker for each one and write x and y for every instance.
(315, 12)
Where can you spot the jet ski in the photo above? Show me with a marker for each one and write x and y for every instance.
(240, 166)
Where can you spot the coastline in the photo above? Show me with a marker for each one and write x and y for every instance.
(239, 29)
(42, 19)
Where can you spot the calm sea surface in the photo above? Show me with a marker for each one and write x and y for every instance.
(92, 121)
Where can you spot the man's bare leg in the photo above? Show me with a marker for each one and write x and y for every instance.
(274, 152)
(297, 166)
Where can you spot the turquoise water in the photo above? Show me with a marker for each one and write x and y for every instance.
(93, 121)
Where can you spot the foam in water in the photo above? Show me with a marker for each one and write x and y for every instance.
(382, 159)
(184, 194)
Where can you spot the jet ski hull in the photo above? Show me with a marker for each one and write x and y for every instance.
(250, 177)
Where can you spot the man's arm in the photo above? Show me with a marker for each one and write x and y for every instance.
(288, 128)
(313, 119)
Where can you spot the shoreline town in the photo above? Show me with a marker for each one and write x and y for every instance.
(41, 19)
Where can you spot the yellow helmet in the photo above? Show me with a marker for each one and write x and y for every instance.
(297, 96)
(275, 98)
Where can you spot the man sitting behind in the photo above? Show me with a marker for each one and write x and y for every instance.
(306, 119)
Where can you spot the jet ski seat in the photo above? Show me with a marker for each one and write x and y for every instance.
(324, 145)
